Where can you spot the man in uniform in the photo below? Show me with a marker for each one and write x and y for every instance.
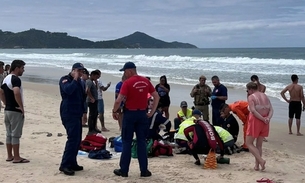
(72, 91)
(135, 119)
(201, 93)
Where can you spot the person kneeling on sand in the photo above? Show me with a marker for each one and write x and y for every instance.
(157, 122)
(204, 138)
(227, 139)
(183, 114)
(179, 137)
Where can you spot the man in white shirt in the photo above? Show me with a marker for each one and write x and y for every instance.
(100, 89)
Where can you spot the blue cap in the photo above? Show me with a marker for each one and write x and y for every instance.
(128, 65)
(196, 111)
(78, 66)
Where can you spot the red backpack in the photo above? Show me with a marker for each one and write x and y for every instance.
(159, 148)
(93, 142)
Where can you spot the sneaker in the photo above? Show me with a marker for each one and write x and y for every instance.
(146, 174)
(119, 173)
(197, 162)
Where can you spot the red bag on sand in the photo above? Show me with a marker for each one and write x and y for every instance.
(93, 142)
(159, 148)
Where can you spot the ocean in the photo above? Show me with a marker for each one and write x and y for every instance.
(273, 66)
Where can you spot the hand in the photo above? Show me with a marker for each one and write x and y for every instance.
(190, 144)
(267, 120)
(213, 97)
(149, 114)
(115, 115)
(195, 90)
(92, 100)
(21, 109)
(76, 74)
(108, 84)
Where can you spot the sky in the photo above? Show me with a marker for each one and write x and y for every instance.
(204, 23)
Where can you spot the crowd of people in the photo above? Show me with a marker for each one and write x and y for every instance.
(142, 108)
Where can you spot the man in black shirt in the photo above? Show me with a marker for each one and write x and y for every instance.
(229, 121)
(11, 96)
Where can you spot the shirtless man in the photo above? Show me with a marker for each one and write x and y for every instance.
(261, 87)
(295, 106)
(261, 112)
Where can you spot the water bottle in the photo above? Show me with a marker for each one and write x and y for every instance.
(223, 160)
(82, 153)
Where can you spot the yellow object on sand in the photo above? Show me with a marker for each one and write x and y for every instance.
(210, 161)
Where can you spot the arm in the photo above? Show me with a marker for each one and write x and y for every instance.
(240, 115)
(253, 110)
(103, 88)
(271, 111)
(302, 97)
(2, 96)
(264, 89)
(283, 94)
(68, 87)
(155, 102)
(224, 94)
(88, 86)
(187, 132)
(193, 92)
(117, 103)
(18, 98)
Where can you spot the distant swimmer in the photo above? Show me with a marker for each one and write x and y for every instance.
(295, 105)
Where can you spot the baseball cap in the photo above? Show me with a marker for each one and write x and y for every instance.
(78, 66)
(128, 65)
(86, 71)
(183, 104)
(196, 111)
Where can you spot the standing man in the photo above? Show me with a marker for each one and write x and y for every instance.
(12, 97)
(219, 97)
(295, 105)
(201, 93)
(92, 101)
(72, 91)
(135, 119)
(261, 87)
(100, 90)
(1, 79)
(84, 78)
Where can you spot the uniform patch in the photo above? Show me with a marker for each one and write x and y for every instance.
(64, 81)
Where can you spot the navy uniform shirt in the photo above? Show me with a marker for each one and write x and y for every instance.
(73, 96)
(220, 90)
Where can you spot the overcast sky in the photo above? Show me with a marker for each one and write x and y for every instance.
(204, 23)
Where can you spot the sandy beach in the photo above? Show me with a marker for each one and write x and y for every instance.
(284, 153)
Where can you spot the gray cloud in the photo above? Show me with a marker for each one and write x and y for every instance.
(209, 23)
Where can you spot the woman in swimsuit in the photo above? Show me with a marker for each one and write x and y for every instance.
(261, 112)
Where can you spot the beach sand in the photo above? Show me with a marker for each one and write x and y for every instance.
(284, 153)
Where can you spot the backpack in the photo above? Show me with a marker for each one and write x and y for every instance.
(117, 143)
(100, 154)
(93, 142)
(160, 148)
(134, 153)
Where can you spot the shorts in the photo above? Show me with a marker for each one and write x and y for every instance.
(257, 128)
(14, 124)
(295, 109)
(100, 106)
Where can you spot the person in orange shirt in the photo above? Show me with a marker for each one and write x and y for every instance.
(240, 108)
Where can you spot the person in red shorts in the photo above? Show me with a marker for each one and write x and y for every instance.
(135, 119)
(260, 114)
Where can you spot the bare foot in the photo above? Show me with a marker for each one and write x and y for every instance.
(290, 133)
(105, 129)
(256, 168)
(299, 134)
(263, 165)
(265, 140)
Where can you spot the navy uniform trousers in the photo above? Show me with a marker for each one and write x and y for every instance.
(73, 126)
(134, 121)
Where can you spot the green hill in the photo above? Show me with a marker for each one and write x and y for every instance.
(40, 39)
